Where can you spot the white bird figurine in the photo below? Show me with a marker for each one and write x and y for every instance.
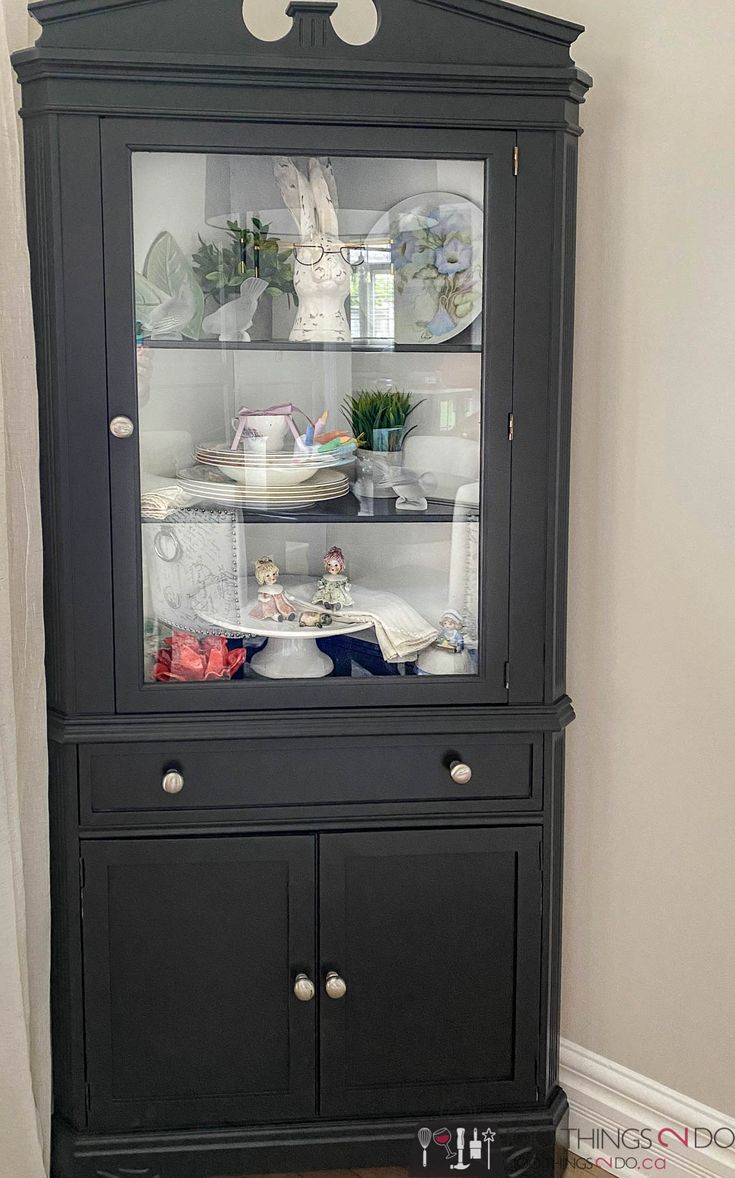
(171, 315)
(232, 321)
(411, 488)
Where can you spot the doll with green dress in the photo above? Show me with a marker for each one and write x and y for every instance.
(333, 588)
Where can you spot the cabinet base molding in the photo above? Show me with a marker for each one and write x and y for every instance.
(531, 1141)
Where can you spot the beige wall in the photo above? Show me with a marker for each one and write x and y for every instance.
(649, 962)
(649, 965)
(649, 954)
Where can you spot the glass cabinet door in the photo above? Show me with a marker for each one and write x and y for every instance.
(310, 370)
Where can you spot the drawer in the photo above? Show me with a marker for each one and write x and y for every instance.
(286, 778)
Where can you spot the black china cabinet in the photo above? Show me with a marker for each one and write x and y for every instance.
(304, 321)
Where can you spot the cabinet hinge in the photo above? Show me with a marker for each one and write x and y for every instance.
(516, 159)
(82, 884)
(506, 675)
(511, 426)
(536, 1079)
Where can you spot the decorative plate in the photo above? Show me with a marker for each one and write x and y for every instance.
(208, 483)
(437, 255)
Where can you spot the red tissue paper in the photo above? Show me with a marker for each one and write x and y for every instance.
(184, 658)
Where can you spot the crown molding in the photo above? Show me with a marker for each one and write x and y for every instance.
(107, 66)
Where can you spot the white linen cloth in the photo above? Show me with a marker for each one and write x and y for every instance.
(401, 630)
(161, 497)
(25, 1056)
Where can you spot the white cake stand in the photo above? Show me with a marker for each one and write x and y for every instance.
(291, 651)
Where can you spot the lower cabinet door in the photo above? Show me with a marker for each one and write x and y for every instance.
(437, 937)
(191, 951)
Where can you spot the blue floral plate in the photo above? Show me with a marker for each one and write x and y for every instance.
(436, 244)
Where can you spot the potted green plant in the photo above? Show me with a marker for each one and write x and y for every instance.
(379, 420)
(221, 268)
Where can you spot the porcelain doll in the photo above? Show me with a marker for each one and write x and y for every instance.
(451, 632)
(333, 589)
(448, 653)
(273, 601)
(315, 619)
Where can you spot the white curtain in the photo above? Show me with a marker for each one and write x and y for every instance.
(25, 1063)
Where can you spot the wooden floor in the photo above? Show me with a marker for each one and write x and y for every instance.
(395, 1172)
(387, 1172)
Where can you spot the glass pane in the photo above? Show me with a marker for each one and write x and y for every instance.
(308, 337)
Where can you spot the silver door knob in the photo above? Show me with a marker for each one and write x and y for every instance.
(173, 782)
(122, 427)
(304, 988)
(335, 986)
(460, 773)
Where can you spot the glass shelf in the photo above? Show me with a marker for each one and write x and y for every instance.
(292, 346)
(347, 510)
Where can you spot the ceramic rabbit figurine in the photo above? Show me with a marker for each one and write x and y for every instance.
(323, 287)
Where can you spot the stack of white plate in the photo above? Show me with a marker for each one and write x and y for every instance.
(272, 471)
(210, 484)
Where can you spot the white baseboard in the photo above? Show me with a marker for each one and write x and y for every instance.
(606, 1098)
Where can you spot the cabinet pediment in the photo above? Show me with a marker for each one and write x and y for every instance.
(409, 33)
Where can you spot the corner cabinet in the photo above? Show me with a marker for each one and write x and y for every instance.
(304, 323)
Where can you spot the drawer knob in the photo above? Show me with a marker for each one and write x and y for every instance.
(173, 782)
(460, 773)
(304, 988)
(335, 986)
